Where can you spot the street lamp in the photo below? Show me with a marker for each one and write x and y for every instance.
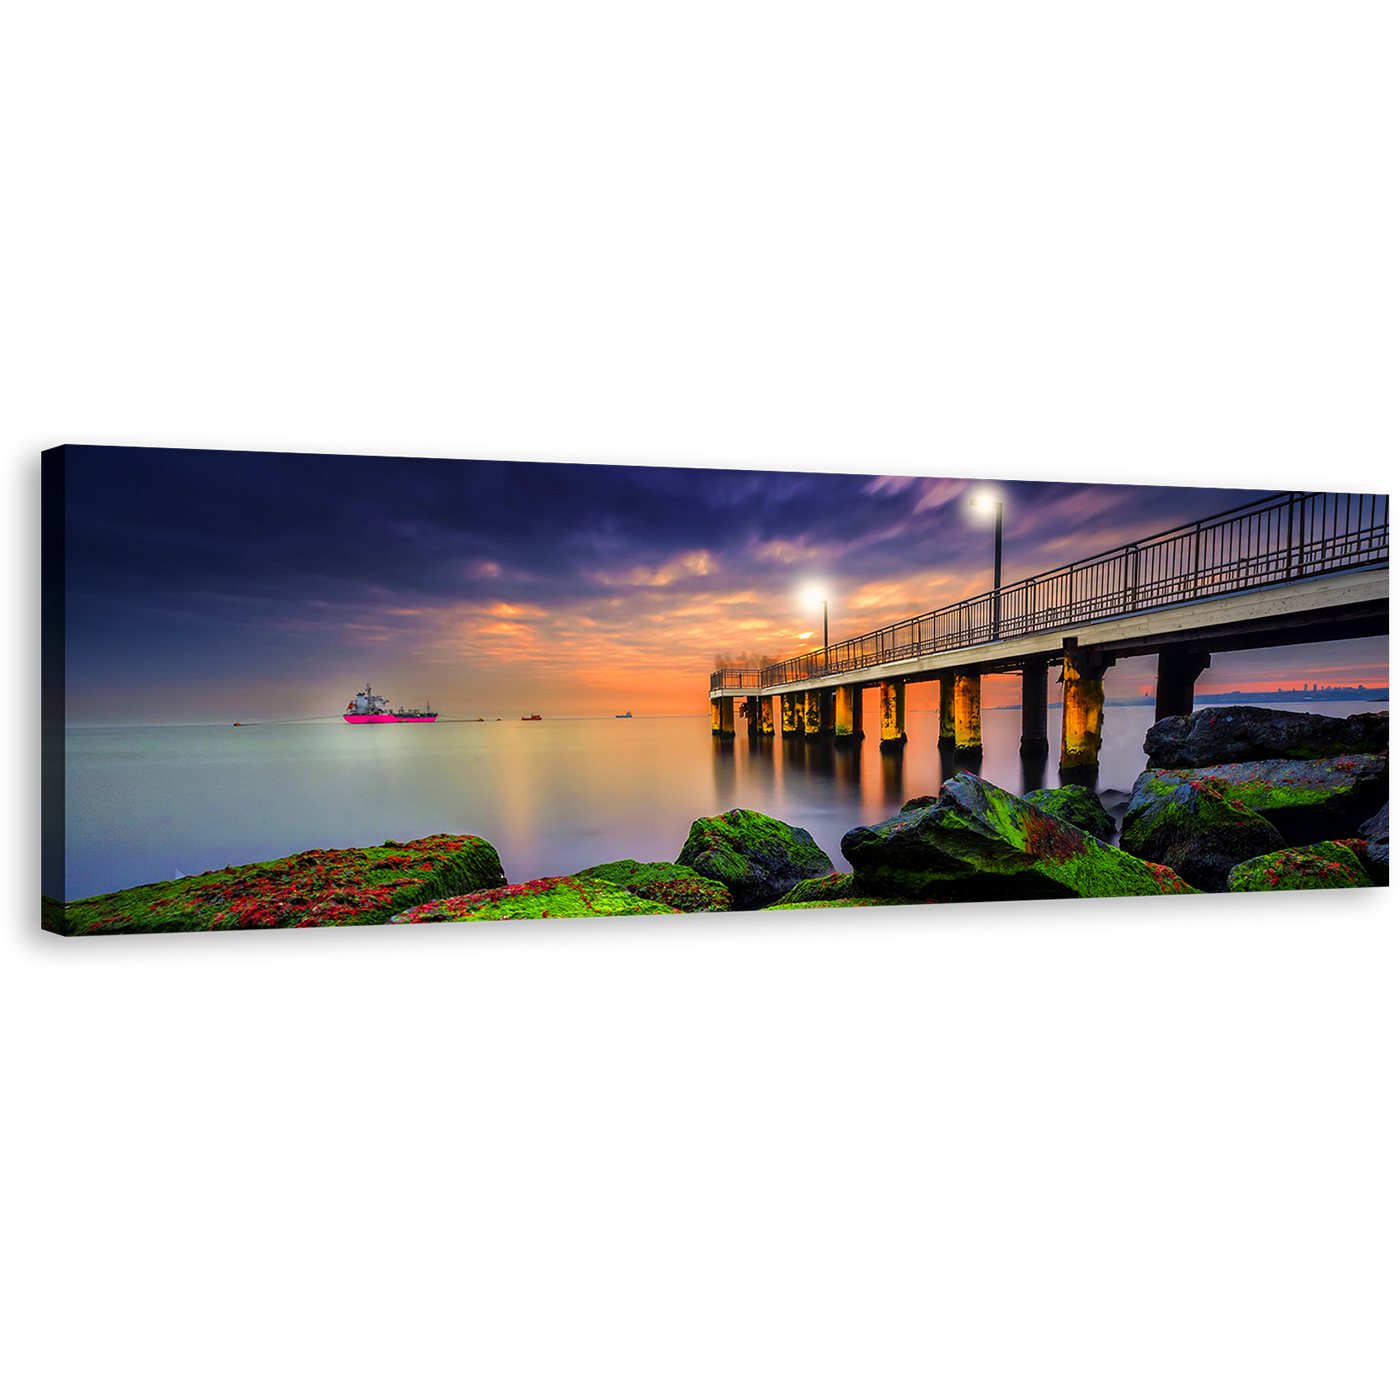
(985, 503)
(813, 594)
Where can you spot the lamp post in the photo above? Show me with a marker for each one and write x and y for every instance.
(813, 594)
(985, 503)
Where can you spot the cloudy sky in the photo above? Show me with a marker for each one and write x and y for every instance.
(209, 586)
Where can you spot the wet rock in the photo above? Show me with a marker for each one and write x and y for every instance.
(757, 858)
(1246, 733)
(666, 883)
(1329, 865)
(915, 803)
(1076, 805)
(1195, 828)
(1376, 834)
(554, 897)
(1306, 799)
(313, 889)
(978, 842)
(837, 885)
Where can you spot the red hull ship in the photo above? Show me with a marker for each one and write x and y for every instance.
(369, 708)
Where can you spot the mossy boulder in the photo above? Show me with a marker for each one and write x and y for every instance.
(1306, 799)
(757, 858)
(979, 842)
(837, 885)
(355, 885)
(1376, 855)
(666, 883)
(854, 902)
(554, 897)
(1249, 733)
(1194, 827)
(1076, 805)
(52, 918)
(1328, 865)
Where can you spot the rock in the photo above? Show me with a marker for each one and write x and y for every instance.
(1246, 733)
(1076, 805)
(554, 897)
(1376, 834)
(1306, 799)
(1193, 827)
(355, 885)
(755, 857)
(915, 803)
(1329, 865)
(855, 902)
(978, 842)
(666, 883)
(837, 885)
(52, 918)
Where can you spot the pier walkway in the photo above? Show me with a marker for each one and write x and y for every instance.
(1293, 567)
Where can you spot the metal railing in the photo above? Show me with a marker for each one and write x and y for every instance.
(1276, 539)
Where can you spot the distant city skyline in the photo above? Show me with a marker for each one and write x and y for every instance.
(214, 586)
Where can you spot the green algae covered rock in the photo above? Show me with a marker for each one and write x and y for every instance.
(1194, 827)
(978, 842)
(666, 883)
(52, 918)
(1076, 805)
(824, 887)
(757, 858)
(1329, 865)
(554, 897)
(1249, 733)
(1306, 799)
(915, 803)
(356, 885)
(855, 902)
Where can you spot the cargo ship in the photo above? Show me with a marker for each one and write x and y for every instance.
(369, 708)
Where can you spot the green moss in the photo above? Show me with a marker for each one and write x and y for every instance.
(355, 885)
(1076, 805)
(856, 902)
(756, 857)
(1329, 865)
(554, 897)
(822, 889)
(666, 883)
(52, 918)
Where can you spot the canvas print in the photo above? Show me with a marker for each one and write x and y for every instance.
(299, 691)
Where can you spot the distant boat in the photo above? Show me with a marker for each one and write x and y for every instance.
(238, 724)
(628, 715)
(529, 717)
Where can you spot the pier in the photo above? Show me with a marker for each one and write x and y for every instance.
(1289, 568)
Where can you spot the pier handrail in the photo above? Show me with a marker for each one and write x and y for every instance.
(1278, 538)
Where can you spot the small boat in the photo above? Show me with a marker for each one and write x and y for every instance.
(480, 720)
(238, 724)
(628, 715)
(527, 718)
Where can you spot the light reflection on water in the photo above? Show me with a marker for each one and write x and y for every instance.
(551, 797)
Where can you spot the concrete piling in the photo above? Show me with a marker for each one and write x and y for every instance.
(892, 735)
(1177, 670)
(847, 722)
(792, 714)
(967, 712)
(765, 715)
(1035, 739)
(812, 713)
(947, 726)
(1082, 729)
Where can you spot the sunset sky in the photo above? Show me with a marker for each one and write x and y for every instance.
(213, 586)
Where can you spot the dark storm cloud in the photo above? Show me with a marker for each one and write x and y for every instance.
(243, 535)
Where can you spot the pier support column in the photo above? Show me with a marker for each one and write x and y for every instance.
(751, 714)
(892, 735)
(714, 716)
(1082, 731)
(848, 717)
(812, 713)
(765, 715)
(1035, 739)
(725, 727)
(1177, 670)
(967, 712)
(947, 726)
(792, 713)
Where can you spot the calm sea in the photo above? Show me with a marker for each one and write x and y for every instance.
(552, 797)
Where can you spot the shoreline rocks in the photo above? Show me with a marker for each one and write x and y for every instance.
(1249, 733)
(553, 897)
(757, 858)
(1329, 865)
